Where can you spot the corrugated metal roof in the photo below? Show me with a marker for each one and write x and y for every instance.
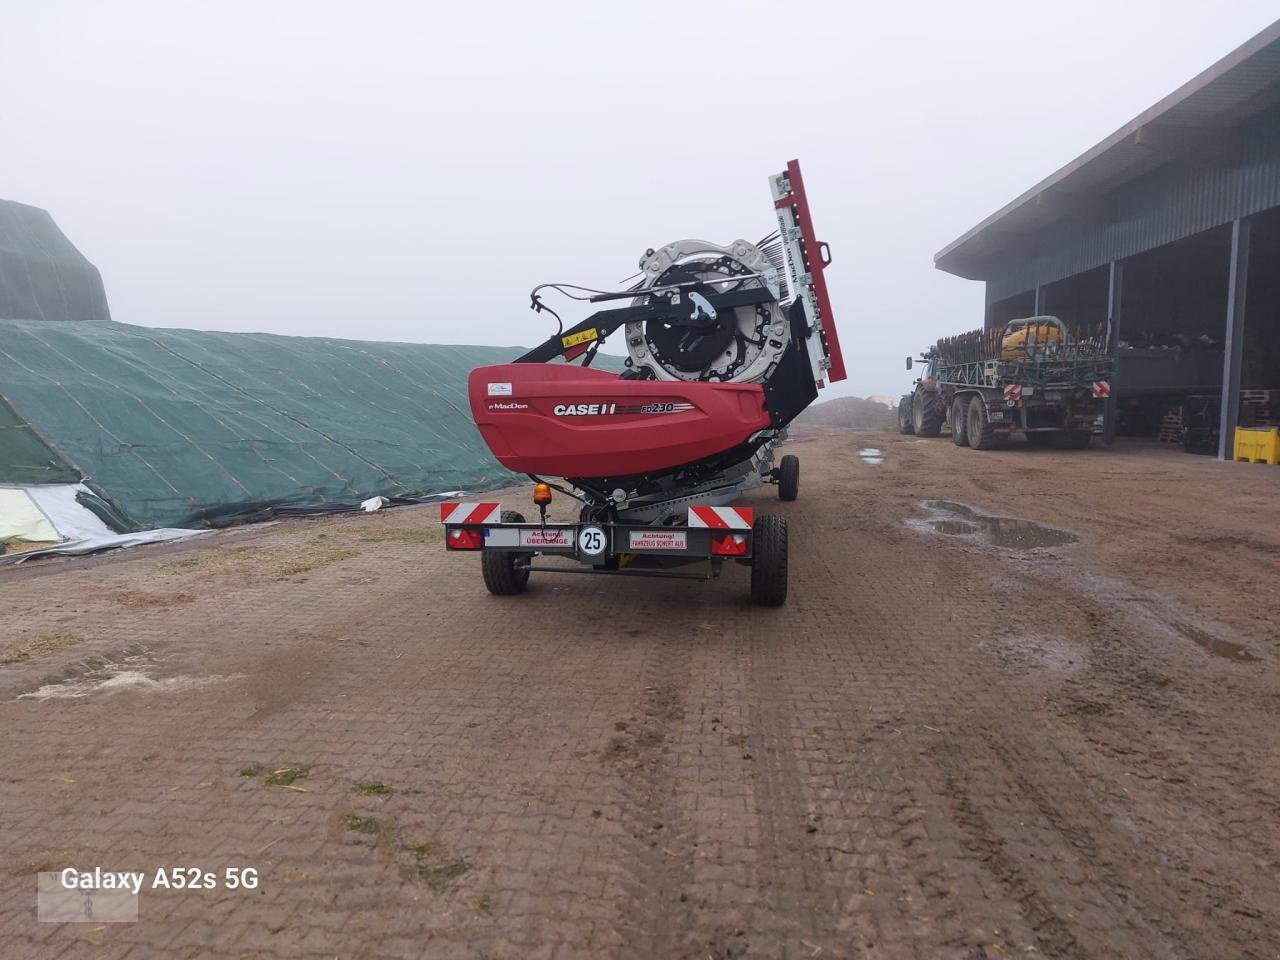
(1196, 115)
(1175, 201)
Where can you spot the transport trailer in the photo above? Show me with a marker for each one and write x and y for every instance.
(726, 344)
(511, 548)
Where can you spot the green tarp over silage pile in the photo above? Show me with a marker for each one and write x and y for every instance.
(179, 427)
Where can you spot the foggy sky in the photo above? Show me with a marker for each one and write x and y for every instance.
(408, 171)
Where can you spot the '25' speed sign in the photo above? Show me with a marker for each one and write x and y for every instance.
(592, 541)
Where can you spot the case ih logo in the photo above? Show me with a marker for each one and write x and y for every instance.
(582, 409)
(599, 409)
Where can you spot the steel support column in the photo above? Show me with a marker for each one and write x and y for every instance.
(1115, 285)
(1233, 351)
(1038, 309)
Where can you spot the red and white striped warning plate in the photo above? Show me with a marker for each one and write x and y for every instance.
(1101, 388)
(1013, 391)
(721, 518)
(470, 512)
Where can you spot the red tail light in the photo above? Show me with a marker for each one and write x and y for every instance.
(729, 545)
(465, 538)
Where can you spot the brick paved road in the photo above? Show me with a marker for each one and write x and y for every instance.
(938, 749)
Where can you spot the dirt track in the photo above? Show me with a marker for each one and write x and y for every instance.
(937, 749)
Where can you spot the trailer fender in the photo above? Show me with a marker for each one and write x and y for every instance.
(1000, 412)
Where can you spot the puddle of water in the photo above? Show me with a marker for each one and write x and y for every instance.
(124, 680)
(1025, 535)
(953, 528)
(949, 506)
(1219, 648)
(1004, 532)
(1163, 619)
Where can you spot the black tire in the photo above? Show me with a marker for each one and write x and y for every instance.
(789, 477)
(959, 422)
(501, 577)
(1072, 439)
(769, 561)
(1039, 439)
(905, 426)
(928, 412)
(982, 435)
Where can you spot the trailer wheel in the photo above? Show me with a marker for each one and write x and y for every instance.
(769, 561)
(789, 477)
(982, 434)
(499, 567)
(959, 423)
(905, 426)
(1072, 439)
(928, 411)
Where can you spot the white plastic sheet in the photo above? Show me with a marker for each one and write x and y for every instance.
(71, 518)
(65, 519)
(94, 544)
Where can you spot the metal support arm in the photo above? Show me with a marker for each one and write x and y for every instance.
(599, 325)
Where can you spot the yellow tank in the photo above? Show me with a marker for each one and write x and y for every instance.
(1032, 335)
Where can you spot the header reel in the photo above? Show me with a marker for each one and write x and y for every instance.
(719, 314)
(730, 345)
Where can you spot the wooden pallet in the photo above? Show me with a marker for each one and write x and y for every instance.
(1260, 398)
(1171, 427)
(1264, 407)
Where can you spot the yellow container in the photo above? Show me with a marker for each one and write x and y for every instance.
(1258, 445)
(1034, 335)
